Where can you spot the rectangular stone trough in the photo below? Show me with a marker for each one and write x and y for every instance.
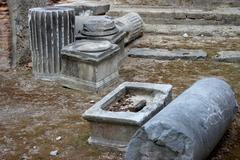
(113, 121)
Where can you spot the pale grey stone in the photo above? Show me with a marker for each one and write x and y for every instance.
(89, 68)
(193, 30)
(87, 6)
(189, 127)
(164, 54)
(202, 4)
(114, 129)
(54, 153)
(132, 24)
(103, 28)
(175, 16)
(228, 56)
(51, 28)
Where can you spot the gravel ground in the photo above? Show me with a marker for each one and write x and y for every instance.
(34, 113)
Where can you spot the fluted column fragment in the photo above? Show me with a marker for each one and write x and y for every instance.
(51, 29)
(132, 24)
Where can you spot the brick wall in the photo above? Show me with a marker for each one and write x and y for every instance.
(5, 34)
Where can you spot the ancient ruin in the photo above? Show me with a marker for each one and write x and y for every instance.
(119, 79)
(50, 30)
(89, 65)
(114, 129)
(190, 126)
(103, 28)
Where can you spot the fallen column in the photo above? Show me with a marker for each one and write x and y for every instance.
(51, 28)
(132, 24)
(189, 127)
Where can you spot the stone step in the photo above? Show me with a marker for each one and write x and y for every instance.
(228, 56)
(178, 3)
(193, 30)
(169, 15)
(164, 54)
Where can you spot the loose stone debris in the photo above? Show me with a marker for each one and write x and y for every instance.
(228, 56)
(89, 65)
(126, 104)
(59, 138)
(54, 153)
(164, 54)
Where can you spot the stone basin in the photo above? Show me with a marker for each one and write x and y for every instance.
(114, 129)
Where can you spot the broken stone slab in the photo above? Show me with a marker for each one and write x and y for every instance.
(51, 28)
(80, 21)
(89, 65)
(87, 6)
(228, 56)
(189, 127)
(132, 24)
(115, 129)
(164, 54)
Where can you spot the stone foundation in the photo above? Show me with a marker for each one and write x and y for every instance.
(177, 3)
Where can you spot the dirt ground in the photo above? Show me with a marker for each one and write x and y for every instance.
(34, 113)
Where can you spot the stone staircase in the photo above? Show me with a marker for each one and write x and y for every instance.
(170, 20)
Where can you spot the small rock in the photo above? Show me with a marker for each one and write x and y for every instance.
(59, 138)
(92, 101)
(29, 65)
(185, 35)
(54, 153)
(34, 147)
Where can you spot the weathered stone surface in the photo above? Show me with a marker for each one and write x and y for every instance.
(98, 27)
(102, 28)
(177, 3)
(189, 127)
(193, 30)
(89, 65)
(20, 50)
(183, 16)
(51, 28)
(87, 7)
(132, 24)
(228, 56)
(164, 54)
(114, 129)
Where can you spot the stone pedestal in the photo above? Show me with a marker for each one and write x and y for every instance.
(115, 129)
(51, 28)
(132, 24)
(103, 28)
(89, 65)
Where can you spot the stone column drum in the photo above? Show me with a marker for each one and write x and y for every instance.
(132, 24)
(51, 28)
(189, 127)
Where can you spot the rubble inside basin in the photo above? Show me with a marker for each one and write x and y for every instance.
(132, 101)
